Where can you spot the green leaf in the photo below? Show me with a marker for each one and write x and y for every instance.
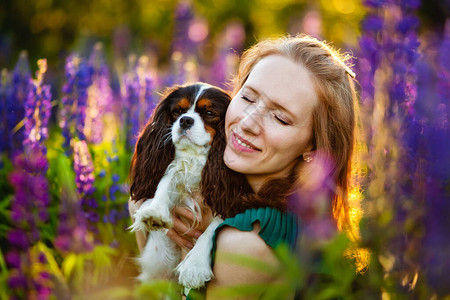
(68, 264)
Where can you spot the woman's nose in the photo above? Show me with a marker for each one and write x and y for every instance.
(252, 121)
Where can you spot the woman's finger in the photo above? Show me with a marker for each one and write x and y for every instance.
(183, 230)
(186, 213)
(179, 240)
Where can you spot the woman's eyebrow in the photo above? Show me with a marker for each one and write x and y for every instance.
(273, 103)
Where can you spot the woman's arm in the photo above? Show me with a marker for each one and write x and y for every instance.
(246, 243)
(141, 237)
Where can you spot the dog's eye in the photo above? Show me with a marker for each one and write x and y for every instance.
(177, 111)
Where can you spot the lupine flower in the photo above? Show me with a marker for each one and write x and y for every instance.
(28, 212)
(15, 97)
(74, 101)
(84, 178)
(3, 123)
(37, 110)
(132, 88)
(31, 198)
(139, 101)
(436, 136)
(66, 115)
(183, 18)
(99, 96)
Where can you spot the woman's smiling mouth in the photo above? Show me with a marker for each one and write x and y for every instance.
(242, 144)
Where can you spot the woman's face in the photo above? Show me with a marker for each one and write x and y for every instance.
(268, 124)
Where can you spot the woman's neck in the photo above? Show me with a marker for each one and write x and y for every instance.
(256, 181)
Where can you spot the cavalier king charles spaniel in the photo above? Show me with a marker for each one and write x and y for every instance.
(182, 142)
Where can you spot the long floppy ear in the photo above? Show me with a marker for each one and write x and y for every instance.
(153, 153)
(222, 188)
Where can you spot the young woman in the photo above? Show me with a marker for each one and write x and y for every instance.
(293, 112)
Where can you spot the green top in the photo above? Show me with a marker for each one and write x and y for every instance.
(276, 227)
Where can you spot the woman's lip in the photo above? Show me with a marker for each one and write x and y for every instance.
(242, 148)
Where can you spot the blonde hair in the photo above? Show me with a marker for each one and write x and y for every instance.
(334, 118)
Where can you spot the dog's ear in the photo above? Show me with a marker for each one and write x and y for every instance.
(222, 188)
(154, 151)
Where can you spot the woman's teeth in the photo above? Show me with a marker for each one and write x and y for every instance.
(242, 143)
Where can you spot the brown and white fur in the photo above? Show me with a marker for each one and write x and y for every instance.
(166, 169)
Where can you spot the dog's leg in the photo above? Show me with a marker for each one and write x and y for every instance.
(155, 213)
(195, 270)
(159, 258)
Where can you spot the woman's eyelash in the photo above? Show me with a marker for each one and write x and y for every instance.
(281, 120)
(247, 99)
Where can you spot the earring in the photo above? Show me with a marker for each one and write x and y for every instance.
(307, 157)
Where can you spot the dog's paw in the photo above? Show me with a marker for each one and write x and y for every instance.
(155, 218)
(148, 219)
(193, 274)
(138, 225)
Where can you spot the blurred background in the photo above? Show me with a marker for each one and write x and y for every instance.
(79, 80)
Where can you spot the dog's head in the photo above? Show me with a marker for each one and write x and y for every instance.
(197, 112)
(187, 117)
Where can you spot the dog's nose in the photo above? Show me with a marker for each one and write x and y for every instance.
(186, 122)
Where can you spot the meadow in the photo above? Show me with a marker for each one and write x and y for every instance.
(69, 124)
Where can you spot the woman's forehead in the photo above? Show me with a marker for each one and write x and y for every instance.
(283, 82)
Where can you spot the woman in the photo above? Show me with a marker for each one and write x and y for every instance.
(293, 112)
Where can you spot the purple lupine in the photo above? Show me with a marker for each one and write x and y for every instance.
(132, 89)
(31, 198)
(403, 46)
(74, 102)
(3, 123)
(183, 18)
(100, 96)
(182, 46)
(37, 111)
(436, 136)
(150, 101)
(15, 97)
(84, 178)
(84, 80)
(139, 100)
(66, 115)
(370, 52)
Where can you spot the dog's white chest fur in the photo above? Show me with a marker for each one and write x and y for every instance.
(185, 172)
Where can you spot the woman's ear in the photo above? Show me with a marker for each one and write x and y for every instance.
(308, 156)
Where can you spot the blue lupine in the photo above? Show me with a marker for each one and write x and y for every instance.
(74, 102)
(132, 88)
(3, 123)
(150, 101)
(15, 97)
(139, 100)
(183, 18)
(436, 135)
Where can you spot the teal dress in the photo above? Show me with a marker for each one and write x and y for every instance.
(276, 228)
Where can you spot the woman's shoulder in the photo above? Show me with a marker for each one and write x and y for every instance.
(234, 240)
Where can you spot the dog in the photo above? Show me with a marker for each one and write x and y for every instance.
(166, 169)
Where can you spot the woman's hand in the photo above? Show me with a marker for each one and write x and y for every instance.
(180, 232)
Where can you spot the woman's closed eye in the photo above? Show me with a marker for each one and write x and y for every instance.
(247, 99)
(281, 120)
